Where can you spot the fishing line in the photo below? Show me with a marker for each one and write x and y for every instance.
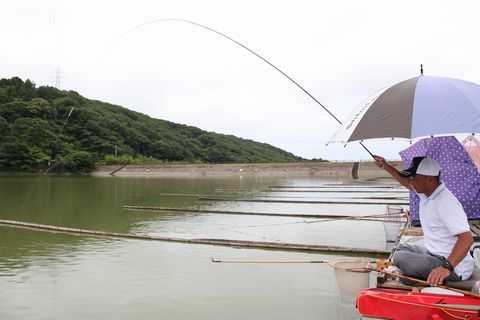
(226, 227)
(374, 218)
(65, 122)
(244, 47)
(252, 235)
(22, 207)
(34, 183)
(61, 130)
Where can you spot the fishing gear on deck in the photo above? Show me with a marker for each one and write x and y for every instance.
(420, 281)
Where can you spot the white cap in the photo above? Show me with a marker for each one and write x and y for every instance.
(428, 167)
(422, 165)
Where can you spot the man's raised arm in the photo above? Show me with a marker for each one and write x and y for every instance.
(382, 163)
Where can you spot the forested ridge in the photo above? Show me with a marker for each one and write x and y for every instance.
(35, 134)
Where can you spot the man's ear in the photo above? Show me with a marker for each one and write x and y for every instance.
(432, 179)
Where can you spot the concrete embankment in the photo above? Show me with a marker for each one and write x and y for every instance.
(364, 170)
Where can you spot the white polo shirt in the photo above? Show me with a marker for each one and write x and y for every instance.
(443, 218)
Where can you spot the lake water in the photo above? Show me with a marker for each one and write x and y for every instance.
(62, 276)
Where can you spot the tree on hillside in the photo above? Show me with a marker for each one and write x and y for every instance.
(32, 134)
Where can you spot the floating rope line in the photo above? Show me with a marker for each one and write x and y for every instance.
(333, 186)
(294, 201)
(283, 197)
(272, 214)
(311, 191)
(218, 242)
(362, 195)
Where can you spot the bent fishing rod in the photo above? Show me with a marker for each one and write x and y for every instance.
(246, 48)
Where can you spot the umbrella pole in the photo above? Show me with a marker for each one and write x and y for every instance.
(371, 154)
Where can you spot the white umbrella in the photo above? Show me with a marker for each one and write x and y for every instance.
(417, 107)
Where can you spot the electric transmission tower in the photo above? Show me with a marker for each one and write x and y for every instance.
(58, 77)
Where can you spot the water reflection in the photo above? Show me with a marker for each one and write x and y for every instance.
(57, 276)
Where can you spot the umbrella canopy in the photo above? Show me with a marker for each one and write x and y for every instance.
(458, 172)
(419, 107)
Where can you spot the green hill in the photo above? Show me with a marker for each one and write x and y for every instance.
(32, 134)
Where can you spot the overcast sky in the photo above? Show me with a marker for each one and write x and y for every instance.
(339, 51)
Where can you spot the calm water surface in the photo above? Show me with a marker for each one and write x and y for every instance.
(60, 276)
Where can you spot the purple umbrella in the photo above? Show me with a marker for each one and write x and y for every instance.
(458, 172)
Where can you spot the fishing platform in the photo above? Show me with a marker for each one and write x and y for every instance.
(410, 234)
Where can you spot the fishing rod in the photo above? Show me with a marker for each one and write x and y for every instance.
(266, 261)
(359, 269)
(263, 261)
(469, 293)
(246, 48)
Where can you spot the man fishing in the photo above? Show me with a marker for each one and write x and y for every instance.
(447, 237)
